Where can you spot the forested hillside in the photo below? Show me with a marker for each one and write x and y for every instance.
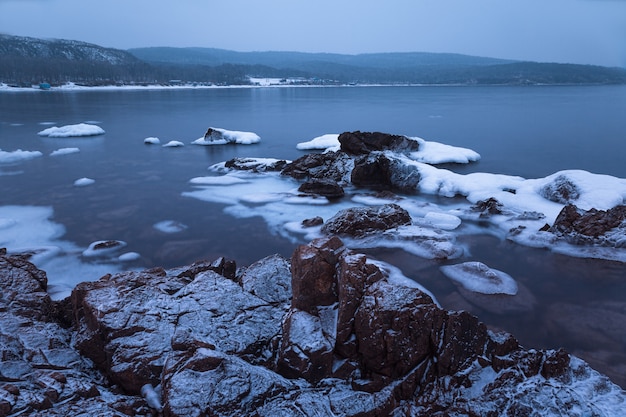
(30, 61)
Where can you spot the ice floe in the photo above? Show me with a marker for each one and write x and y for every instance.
(330, 140)
(81, 129)
(218, 136)
(129, 257)
(13, 157)
(29, 230)
(440, 153)
(174, 144)
(83, 182)
(170, 226)
(478, 277)
(64, 151)
(152, 141)
(103, 248)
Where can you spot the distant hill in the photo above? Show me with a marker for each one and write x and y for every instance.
(27, 61)
(410, 67)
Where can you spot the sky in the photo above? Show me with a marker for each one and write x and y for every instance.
(569, 31)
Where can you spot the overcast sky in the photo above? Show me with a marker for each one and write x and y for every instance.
(575, 31)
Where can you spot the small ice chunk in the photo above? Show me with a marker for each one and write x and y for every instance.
(217, 180)
(478, 277)
(129, 256)
(64, 151)
(218, 136)
(81, 129)
(83, 182)
(173, 144)
(17, 156)
(152, 141)
(442, 220)
(330, 140)
(170, 226)
(103, 247)
(152, 397)
(440, 153)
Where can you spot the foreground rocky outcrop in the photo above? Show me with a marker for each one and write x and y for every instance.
(327, 333)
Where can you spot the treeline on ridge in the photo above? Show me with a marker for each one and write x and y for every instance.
(29, 61)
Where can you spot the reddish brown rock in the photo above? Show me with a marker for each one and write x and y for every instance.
(358, 143)
(360, 221)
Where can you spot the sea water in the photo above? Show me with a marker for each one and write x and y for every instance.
(137, 193)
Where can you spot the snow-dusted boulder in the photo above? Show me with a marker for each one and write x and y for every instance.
(360, 221)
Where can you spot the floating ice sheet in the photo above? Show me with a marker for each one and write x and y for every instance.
(28, 229)
(478, 277)
(13, 157)
(64, 151)
(81, 129)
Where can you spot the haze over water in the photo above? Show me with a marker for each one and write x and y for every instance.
(527, 131)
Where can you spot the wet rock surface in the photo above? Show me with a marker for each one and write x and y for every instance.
(604, 227)
(359, 221)
(365, 159)
(40, 371)
(322, 334)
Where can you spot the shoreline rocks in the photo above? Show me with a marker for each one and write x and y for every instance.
(323, 334)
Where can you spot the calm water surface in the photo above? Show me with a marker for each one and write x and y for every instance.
(527, 131)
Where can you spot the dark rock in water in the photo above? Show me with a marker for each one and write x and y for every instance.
(255, 165)
(312, 222)
(359, 143)
(560, 190)
(360, 221)
(335, 166)
(487, 207)
(607, 228)
(379, 172)
(323, 187)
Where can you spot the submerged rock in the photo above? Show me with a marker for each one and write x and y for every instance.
(326, 188)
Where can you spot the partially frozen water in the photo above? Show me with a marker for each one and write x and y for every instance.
(170, 209)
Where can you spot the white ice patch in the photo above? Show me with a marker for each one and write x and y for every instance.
(442, 220)
(83, 182)
(17, 156)
(81, 129)
(229, 136)
(170, 226)
(478, 277)
(152, 141)
(218, 180)
(64, 151)
(129, 257)
(174, 144)
(396, 277)
(27, 229)
(440, 153)
(330, 140)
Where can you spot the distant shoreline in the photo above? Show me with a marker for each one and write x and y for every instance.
(73, 87)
